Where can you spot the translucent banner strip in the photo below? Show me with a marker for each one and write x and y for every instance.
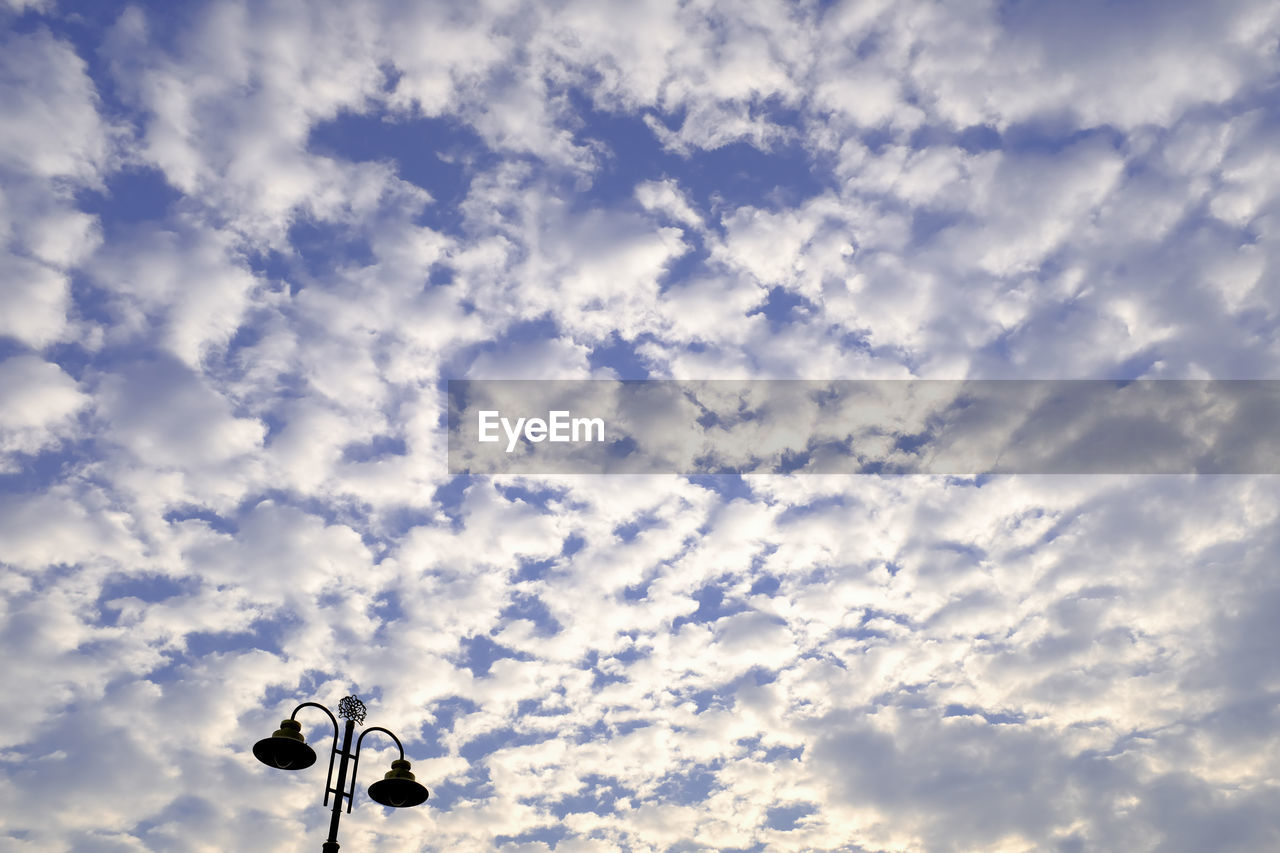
(953, 427)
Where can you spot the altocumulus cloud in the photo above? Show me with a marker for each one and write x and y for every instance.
(246, 244)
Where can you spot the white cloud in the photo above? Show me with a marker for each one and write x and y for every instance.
(187, 285)
(52, 127)
(44, 403)
(53, 142)
(37, 301)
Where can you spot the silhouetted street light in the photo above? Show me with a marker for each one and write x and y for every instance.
(287, 749)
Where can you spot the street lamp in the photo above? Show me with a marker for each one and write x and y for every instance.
(287, 749)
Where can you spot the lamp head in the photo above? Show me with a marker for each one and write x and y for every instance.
(398, 789)
(286, 749)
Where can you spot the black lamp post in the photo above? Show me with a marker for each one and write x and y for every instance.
(287, 749)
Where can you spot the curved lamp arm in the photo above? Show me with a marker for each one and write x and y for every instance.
(355, 761)
(399, 745)
(327, 713)
(332, 750)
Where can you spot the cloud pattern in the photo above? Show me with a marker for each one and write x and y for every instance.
(246, 244)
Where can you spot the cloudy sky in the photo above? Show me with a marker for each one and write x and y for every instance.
(246, 245)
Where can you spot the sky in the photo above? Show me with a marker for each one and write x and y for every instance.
(246, 245)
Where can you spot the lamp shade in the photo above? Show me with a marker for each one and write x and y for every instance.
(286, 749)
(398, 789)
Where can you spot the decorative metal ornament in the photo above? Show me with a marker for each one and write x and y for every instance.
(352, 708)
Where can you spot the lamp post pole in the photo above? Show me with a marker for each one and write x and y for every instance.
(287, 749)
(331, 845)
